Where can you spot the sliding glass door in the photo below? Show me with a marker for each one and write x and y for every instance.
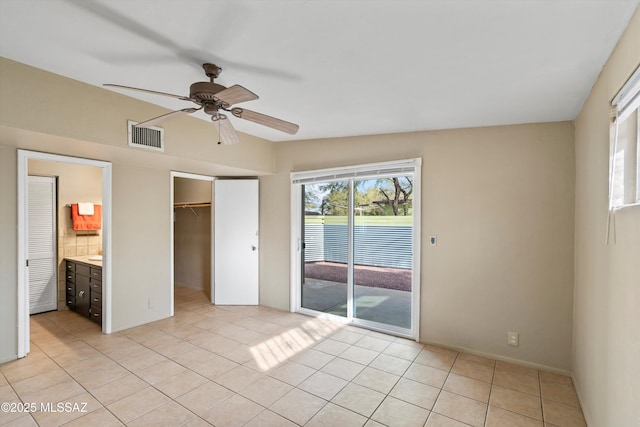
(357, 248)
(325, 247)
(382, 248)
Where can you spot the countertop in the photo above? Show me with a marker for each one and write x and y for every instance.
(85, 259)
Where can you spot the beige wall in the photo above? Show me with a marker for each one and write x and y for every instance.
(76, 183)
(500, 200)
(141, 245)
(44, 112)
(606, 336)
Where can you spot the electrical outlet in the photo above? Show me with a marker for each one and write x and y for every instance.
(513, 339)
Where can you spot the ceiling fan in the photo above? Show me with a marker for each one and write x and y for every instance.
(215, 99)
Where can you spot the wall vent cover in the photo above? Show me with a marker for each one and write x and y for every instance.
(151, 138)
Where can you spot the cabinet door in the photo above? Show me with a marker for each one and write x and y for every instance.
(83, 297)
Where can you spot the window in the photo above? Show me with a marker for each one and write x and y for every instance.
(624, 172)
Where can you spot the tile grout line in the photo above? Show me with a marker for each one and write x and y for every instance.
(442, 388)
(122, 366)
(75, 381)
(493, 379)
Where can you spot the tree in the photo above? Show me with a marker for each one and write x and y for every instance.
(311, 198)
(332, 198)
(392, 188)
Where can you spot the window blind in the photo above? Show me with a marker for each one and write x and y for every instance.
(623, 105)
(627, 100)
(387, 169)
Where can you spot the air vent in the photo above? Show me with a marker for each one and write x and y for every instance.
(151, 138)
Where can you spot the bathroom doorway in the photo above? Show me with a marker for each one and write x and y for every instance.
(34, 162)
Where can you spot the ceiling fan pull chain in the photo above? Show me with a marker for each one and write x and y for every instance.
(217, 122)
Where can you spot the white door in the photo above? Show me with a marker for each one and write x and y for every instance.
(42, 256)
(236, 242)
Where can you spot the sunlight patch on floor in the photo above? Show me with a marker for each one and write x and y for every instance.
(278, 349)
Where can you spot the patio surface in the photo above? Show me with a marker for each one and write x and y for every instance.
(381, 294)
(366, 275)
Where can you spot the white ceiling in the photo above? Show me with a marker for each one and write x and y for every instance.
(337, 68)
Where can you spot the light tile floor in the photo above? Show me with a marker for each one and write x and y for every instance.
(255, 366)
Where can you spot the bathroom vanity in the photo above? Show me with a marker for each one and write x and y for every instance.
(84, 286)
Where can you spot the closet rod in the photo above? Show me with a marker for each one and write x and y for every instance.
(193, 205)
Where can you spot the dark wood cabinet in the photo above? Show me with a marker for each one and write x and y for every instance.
(84, 289)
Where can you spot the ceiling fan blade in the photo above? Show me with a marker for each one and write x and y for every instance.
(156, 120)
(235, 95)
(184, 98)
(263, 119)
(226, 131)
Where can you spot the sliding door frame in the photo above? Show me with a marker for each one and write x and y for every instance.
(353, 173)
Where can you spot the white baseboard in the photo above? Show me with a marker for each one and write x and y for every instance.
(501, 358)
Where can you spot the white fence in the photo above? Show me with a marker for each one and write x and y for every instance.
(380, 244)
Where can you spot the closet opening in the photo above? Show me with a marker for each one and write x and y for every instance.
(192, 235)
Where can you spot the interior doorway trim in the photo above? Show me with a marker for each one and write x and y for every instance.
(176, 174)
(23, 288)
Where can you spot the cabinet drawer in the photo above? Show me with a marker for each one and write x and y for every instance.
(96, 299)
(71, 288)
(71, 276)
(96, 315)
(96, 273)
(71, 266)
(96, 286)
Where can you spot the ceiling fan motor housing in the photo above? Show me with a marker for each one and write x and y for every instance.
(203, 92)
